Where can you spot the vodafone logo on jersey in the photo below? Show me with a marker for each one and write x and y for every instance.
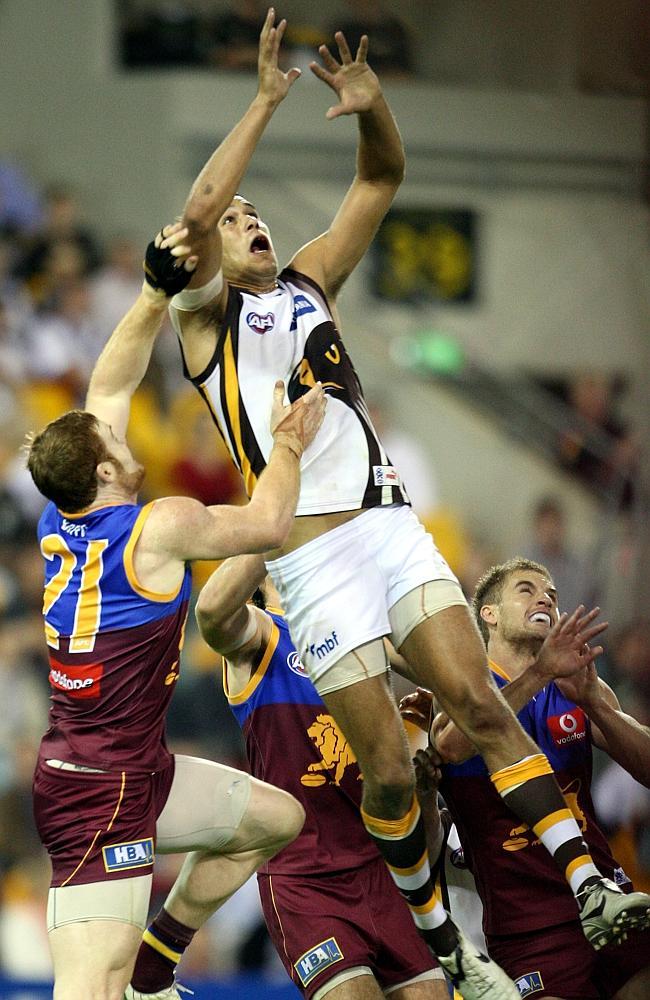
(78, 682)
(570, 727)
(260, 324)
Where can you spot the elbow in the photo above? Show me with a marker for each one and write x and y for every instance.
(278, 534)
(206, 617)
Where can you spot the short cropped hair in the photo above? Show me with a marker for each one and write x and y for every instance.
(63, 460)
(490, 586)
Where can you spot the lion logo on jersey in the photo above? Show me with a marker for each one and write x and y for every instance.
(334, 749)
(520, 835)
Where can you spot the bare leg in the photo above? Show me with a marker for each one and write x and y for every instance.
(446, 655)
(428, 989)
(93, 959)
(368, 716)
(273, 818)
(636, 988)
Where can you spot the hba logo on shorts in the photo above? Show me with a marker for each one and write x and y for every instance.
(78, 682)
(530, 983)
(570, 727)
(325, 646)
(301, 305)
(135, 854)
(321, 957)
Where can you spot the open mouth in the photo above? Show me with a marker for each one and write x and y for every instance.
(541, 616)
(260, 244)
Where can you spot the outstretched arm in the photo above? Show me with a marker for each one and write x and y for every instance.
(564, 653)
(620, 735)
(125, 358)
(183, 529)
(219, 180)
(380, 167)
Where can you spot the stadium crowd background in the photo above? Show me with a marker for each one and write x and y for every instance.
(114, 105)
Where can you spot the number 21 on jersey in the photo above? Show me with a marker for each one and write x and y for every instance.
(88, 604)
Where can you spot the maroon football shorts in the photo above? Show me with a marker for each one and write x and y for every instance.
(325, 924)
(618, 963)
(98, 826)
(560, 961)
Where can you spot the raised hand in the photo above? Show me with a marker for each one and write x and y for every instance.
(169, 262)
(583, 686)
(428, 774)
(296, 425)
(417, 708)
(352, 80)
(273, 83)
(566, 648)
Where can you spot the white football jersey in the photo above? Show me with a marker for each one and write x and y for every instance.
(289, 334)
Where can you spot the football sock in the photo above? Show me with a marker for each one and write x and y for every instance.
(402, 843)
(529, 788)
(163, 944)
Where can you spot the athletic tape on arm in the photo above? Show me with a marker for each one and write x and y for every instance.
(244, 636)
(191, 299)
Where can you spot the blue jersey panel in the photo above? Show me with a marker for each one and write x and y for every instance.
(281, 686)
(90, 585)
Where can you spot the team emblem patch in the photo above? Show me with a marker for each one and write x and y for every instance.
(295, 664)
(570, 727)
(321, 957)
(260, 324)
(530, 983)
(134, 854)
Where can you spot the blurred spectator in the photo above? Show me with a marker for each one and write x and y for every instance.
(20, 208)
(628, 656)
(116, 285)
(64, 341)
(598, 447)
(623, 806)
(62, 234)
(548, 545)
(390, 49)
(236, 35)
(14, 297)
(204, 470)
(165, 33)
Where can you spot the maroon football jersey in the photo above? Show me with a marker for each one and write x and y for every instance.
(293, 742)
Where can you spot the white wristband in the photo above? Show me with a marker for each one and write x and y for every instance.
(191, 299)
(244, 636)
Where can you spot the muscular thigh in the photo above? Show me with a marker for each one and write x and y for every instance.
(446, 654)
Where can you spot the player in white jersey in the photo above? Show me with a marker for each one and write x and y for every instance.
(358, 565)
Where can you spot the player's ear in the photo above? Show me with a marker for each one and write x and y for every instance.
(488, 614)
(106, 472)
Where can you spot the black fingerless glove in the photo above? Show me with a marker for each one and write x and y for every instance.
(163, 272)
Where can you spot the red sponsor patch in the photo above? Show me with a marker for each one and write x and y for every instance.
(570, 727)
(78, 682)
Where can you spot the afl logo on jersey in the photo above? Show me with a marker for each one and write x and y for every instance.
(260, 324)
(295, 663)
(570, 727)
